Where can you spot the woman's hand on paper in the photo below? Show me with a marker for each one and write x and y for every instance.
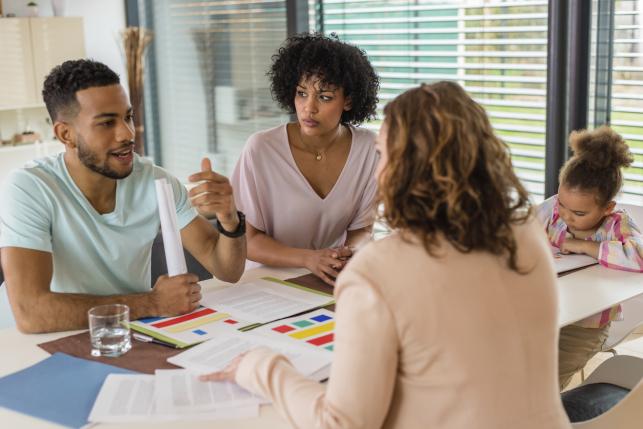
(327, 263)
(213, 196)
(229, 373)
(176, 295)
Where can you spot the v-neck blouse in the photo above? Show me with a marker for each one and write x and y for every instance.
(278, 200)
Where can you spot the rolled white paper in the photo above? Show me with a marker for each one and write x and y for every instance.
(172, 244)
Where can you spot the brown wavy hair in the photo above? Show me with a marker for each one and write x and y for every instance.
(599, 156)
(448, 175)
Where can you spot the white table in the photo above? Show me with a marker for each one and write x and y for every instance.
(591, 290)
(581, 294)
(20, 351)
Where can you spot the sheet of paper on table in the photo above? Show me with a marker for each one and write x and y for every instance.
(264, 300)
(133, 398)
(572, 261)
(188, 329)
(314, 330)
(215, 354)
(180, 391)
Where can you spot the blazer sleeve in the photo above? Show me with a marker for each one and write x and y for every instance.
(363, 372)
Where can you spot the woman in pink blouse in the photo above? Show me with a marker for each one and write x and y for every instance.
(449, 322)
(307, 187)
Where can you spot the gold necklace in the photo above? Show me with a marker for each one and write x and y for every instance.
(319, 155)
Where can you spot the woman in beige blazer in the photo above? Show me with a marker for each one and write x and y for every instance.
(451, 321)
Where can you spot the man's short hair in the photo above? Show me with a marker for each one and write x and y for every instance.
(62, 83)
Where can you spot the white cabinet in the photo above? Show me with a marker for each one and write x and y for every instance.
(54, 41)
(17, 84)
(29, 49)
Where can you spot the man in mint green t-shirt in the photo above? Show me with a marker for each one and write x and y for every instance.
(76, 229)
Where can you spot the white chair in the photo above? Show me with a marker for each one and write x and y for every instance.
(626, 372)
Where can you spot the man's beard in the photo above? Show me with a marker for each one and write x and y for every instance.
(90, 160)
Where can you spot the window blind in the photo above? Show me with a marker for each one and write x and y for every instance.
(496, 49)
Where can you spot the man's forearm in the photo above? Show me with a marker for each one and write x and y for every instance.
(229, 258)
(51, 312)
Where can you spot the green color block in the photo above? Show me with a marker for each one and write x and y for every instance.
(302, 323)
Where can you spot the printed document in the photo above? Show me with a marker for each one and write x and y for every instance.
(264, 300)
(132, 398)
(215, 354)
(180, 391)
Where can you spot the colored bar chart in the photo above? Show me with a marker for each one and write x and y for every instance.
(203, 320)
(191, 328)
(315, 329)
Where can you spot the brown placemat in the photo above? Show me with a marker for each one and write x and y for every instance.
(143, 357)
(313, 282)
(147, 357)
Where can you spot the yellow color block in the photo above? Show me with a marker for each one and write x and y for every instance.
(305, 333)
(186, 326)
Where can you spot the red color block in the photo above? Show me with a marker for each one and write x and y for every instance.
(283, 329)
(185, 318)
(320, 341)
(231, 322)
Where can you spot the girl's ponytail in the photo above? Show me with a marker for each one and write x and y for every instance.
(599, 155)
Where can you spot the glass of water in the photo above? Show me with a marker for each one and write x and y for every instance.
(109, 330)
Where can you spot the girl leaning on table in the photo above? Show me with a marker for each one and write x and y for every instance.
(450, 321)
(581, 219)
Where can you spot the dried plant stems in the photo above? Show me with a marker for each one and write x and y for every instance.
(135, 41)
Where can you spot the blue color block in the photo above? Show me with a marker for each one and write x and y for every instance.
(321, 318)
(149, 320)
(199, 332)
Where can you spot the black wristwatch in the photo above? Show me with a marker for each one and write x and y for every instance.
(241, 228)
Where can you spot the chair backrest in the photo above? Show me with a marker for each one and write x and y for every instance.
(627, 372)
(632, 308)
(635, 212)
(622, 370)
(627, 414)
(159, 264)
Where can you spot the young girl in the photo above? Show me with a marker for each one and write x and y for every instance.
(582, 219)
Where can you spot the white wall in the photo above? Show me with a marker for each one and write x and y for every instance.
(103, 21)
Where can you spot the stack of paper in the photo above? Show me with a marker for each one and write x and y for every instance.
(170, 395)
(240, 307)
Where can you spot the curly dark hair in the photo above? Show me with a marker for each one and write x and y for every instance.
(596, 165)
(448, 175)
(335, 63)
(65, 80)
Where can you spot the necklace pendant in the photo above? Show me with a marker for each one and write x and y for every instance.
(318, 157)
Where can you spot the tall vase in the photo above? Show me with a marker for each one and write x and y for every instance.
(58, 7)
